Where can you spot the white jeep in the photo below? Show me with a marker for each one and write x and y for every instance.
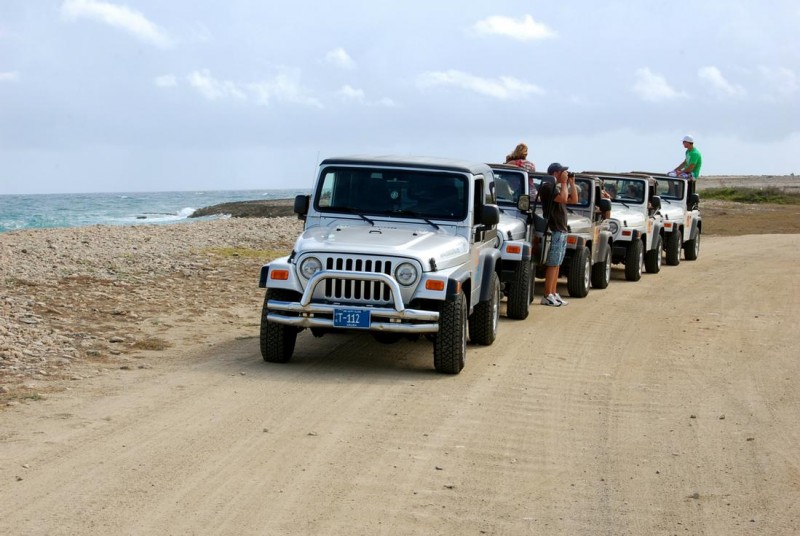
(395, 246)
(514, 238)
(635, 223)
(680, 207)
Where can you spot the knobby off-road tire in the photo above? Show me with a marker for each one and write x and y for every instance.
(691, 248)
(580, 272)
(634, 258)
(485, 317)
(277, 340)
(450, 343)
(521, 292)
(673, 248)
(601, 271)
(652, 259)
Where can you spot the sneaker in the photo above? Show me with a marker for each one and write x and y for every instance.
(550, 300)
(558, 297)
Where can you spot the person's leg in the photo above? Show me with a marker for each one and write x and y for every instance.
(550, 280)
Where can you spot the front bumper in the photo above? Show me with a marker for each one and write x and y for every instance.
(393, 317)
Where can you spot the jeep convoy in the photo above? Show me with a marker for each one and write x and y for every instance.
(403, 247)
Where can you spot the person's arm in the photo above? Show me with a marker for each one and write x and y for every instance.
(562, 196)
(572, 190)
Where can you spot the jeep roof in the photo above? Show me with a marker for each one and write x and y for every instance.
(423, 162)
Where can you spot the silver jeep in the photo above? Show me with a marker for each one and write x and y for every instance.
(395, 246)
(514, 238)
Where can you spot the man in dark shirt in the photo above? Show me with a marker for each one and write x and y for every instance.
(556, 194)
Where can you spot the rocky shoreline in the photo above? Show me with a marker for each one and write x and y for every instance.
(76, 301)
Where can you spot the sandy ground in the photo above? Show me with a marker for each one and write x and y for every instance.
(665, 406)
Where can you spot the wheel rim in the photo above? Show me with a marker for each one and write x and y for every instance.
(697, 245)
(587, 270)
(495, 308)
(641, 261)
(608, 266)
(660, 253)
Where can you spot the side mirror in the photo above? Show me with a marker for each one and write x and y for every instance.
(524, 203)
(655, 202)
(694, 200)
(301, 203)
(490, 215)
(605, 205)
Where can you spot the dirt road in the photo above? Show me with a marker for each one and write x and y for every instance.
(666, 406)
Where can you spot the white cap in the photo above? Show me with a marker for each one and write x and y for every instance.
(688, 138)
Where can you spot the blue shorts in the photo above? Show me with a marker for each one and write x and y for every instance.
(558, 248)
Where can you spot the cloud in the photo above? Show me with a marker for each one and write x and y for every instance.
(525, 29)
(717, 83)
(502, 88)
(349, 93)
(121, 17)
(653, 87)
(781, 80)
(167, 80)
(282, 87)
(9, 76)
(340, 58)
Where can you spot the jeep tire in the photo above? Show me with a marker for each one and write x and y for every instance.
(673, 248)
(652, 259)
(521, 292)
(691, 248)
(486, 316)
(450, 343)
(601, 271)
(277, 340)
(634, 260)
(580, 272)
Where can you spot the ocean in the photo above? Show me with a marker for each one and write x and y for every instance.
(136, 208)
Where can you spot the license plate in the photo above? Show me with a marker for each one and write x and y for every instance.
(351, 318)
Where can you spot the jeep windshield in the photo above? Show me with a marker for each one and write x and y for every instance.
(625, 191)
(584, 188)
(670, 188)
(424, 194)
(508, 186)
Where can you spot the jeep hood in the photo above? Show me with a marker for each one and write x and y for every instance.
(406, 242)
(579, 224)
(511, 226)
(630, 216)
(672, 212)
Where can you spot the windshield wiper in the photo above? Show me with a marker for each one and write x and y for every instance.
(353, 211)
(415, 215)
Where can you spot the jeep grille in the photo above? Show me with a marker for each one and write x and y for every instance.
(359, 291)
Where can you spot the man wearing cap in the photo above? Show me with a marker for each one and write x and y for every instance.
(690, 167)
(555, 195)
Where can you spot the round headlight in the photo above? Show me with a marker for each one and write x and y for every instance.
(406, 274)
(613, 226)
(310, 266)
(498, 241)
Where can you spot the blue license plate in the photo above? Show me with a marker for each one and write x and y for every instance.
(351, 318)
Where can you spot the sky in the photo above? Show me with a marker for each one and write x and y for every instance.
(154, 95)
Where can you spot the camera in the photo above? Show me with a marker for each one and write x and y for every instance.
(571, 174)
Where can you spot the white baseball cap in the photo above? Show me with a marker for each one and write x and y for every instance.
(688, 138)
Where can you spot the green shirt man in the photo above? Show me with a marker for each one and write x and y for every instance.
(692, 162)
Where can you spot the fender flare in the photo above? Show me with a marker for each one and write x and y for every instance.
(489, 260)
